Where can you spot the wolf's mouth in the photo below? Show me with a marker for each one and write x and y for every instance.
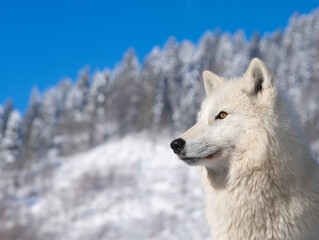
(193, 159)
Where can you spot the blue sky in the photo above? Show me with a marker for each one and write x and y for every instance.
(42, 41)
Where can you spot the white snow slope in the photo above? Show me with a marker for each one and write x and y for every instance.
(133, 188)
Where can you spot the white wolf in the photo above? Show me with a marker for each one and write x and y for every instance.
(259, 178)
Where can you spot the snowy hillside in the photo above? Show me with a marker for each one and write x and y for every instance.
(133, 188)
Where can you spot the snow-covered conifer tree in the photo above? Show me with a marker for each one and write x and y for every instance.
(124, 100)
(11, 144)
(96, 107)
(30, 127)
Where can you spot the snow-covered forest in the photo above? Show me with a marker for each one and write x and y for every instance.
(162, 92)
(158, 96)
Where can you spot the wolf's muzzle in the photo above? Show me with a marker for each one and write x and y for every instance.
(178, 145)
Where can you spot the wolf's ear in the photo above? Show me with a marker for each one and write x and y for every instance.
(257, 77)
(211, 81)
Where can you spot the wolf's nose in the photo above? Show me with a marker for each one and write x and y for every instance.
(178, 145)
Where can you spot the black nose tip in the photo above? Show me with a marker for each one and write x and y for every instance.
(178, 145)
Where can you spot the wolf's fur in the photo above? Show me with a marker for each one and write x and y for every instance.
(259, 178)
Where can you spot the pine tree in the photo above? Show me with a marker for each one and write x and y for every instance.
(7, 109)
(208, 45)
(165, 88)
(31, 132)
(73, 132)
(11, 144)
(188, 76)
(61, 133)
(77, 97)
(125, 94)
(48, 120)
(150, 77)
(1, 121)
(240, 59)
(97, 110)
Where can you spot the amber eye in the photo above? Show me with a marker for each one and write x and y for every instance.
(221, 115)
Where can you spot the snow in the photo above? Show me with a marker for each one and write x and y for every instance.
(131, 188)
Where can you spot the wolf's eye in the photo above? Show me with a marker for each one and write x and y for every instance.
(221, 115)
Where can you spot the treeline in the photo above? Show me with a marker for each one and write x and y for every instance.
(162, 93)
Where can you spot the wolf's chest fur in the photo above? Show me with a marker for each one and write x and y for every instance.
(256, 207)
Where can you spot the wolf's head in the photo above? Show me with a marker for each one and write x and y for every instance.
(233, 118)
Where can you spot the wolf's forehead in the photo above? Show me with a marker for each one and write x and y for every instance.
(227, 93)
(225, 98)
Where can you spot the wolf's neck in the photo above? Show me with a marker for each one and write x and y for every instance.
(239, 205)
(217, 179)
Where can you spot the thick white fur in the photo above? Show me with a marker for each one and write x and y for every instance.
(261, 183)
